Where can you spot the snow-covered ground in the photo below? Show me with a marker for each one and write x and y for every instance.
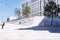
(28, 35)
(30, 31)
(34, 21)
(40, 21)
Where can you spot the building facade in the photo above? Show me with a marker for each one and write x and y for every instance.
(36, 6)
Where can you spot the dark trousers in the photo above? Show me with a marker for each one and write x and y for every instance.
(3, 25)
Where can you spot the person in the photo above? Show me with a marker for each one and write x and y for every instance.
(3, 25)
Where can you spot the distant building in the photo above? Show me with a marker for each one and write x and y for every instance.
(37, 6)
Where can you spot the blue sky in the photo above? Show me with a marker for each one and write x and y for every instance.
(9, 8)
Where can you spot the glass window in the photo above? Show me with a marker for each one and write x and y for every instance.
(33, 1)
(26, 3)
(23, 5)
(40, 5)
(35, 8)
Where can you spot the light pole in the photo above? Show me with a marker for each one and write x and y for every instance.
(2, 15)
(1, 6)
(3, 11)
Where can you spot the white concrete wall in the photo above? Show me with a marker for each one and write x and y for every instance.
(35, 7)
(12, 18)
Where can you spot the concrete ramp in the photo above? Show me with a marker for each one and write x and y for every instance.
(34, 21)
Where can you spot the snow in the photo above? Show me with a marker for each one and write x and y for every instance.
(34, 21)
(8, 33)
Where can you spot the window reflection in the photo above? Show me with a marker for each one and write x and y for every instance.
(33, 1)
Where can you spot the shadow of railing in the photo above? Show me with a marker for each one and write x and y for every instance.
(45, 25)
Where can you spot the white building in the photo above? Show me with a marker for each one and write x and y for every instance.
(37, 6)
